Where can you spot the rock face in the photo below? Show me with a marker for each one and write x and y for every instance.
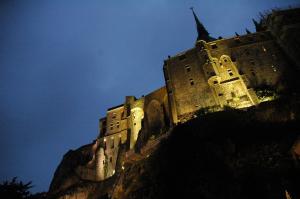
(230, 154)
(239, 157)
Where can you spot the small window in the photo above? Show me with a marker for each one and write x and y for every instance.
(134, 124)
(220, 94)
(112, 144)
(215, 82)
(110, 159)
(214, 46)
(253, 73)
(182, 57)
(233, 95)
(114, 115)
(230, 73)
(188, 68)
(192, 82)
(252, 62)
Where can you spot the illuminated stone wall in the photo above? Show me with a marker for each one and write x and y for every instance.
(225, 72)
(136, 118)
(156, 111)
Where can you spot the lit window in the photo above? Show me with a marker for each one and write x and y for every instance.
(264, 49)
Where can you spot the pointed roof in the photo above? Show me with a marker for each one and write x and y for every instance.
(202, 32)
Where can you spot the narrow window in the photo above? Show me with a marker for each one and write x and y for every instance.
(112, 144)
(220, 94)
(114, 116)
(232, 94)
(118, 124)
(212, 73)
(192, 82)
(214, 46)
(110, 159)
(188, 68)
(230, 72)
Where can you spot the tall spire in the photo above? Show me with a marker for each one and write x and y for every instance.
(202, 32)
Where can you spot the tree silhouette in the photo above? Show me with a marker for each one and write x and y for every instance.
(15, 189)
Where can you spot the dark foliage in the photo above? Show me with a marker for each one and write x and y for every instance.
(228, 154)
(15, 189)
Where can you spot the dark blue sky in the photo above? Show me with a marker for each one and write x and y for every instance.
(64, 62)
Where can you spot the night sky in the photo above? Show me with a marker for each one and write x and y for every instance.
(64, 62)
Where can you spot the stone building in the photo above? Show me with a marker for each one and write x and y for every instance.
(226, 72)
(214, 74)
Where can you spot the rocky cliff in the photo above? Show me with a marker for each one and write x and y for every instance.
(230, 154)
